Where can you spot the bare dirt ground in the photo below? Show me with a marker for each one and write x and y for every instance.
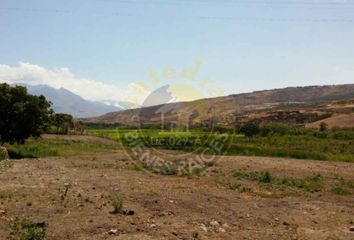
(171, 207)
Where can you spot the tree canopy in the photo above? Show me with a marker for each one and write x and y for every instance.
(22, 115)
(250, 129)
(63, 122)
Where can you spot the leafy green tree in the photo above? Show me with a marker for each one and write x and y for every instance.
(22, 115)
(250, 129)
(63, 122)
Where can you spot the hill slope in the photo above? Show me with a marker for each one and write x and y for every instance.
(293, 104)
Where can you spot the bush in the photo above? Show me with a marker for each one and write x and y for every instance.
(265, 177)
(25, 229)
(250, 129)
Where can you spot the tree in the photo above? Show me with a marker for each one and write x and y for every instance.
(63, 122)
(323, 126)
(250, 129)
(22, 115)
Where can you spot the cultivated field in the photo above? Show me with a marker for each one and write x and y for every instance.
(72, 196)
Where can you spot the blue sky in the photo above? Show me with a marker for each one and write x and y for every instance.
(243, 45)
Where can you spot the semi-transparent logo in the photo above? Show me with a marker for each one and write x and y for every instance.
(171, 134)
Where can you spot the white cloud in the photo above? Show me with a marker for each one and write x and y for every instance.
(63, 78)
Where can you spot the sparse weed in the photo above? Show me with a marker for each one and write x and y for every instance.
(5, 194)
(310, 184)
(64, 192)
(340, 191)
(244, 189)
(234, 186)
(135, 167)
(262, 177)
(347, 182)
(117, 203)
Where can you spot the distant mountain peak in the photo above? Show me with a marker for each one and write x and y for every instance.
(65, 101)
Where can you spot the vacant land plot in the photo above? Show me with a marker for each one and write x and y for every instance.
(102, 195)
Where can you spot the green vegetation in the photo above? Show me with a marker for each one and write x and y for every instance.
(340, 191)
(22, 115)
(310, 184)
(34, 148)
(25, 229)
(117, 203)
(346, 182)
(292, 146)
(96, 166)
(250, 129)
(277, 140)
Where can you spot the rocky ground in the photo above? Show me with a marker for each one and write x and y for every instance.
(72, 196)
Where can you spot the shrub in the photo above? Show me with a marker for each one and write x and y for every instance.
(234, 186)
(25, 229)
(117, 203)
(250, 129)
(323, 126)
(265, 177)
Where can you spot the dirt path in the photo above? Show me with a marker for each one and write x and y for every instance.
(172, 207)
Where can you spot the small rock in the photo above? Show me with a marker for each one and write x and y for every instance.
(225, 225)
(175, 233)
(153, 225)
(276, 219)
(214, 223)
(286, 223)
(128, 212)
(351, 229)
(222, 230)
(171, 201)
(113, 232)
(203, 227)
(2, 212)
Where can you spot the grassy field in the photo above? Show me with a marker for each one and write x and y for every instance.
(305, 144)
(34, 148)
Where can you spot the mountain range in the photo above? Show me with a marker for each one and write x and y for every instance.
(65, 101)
